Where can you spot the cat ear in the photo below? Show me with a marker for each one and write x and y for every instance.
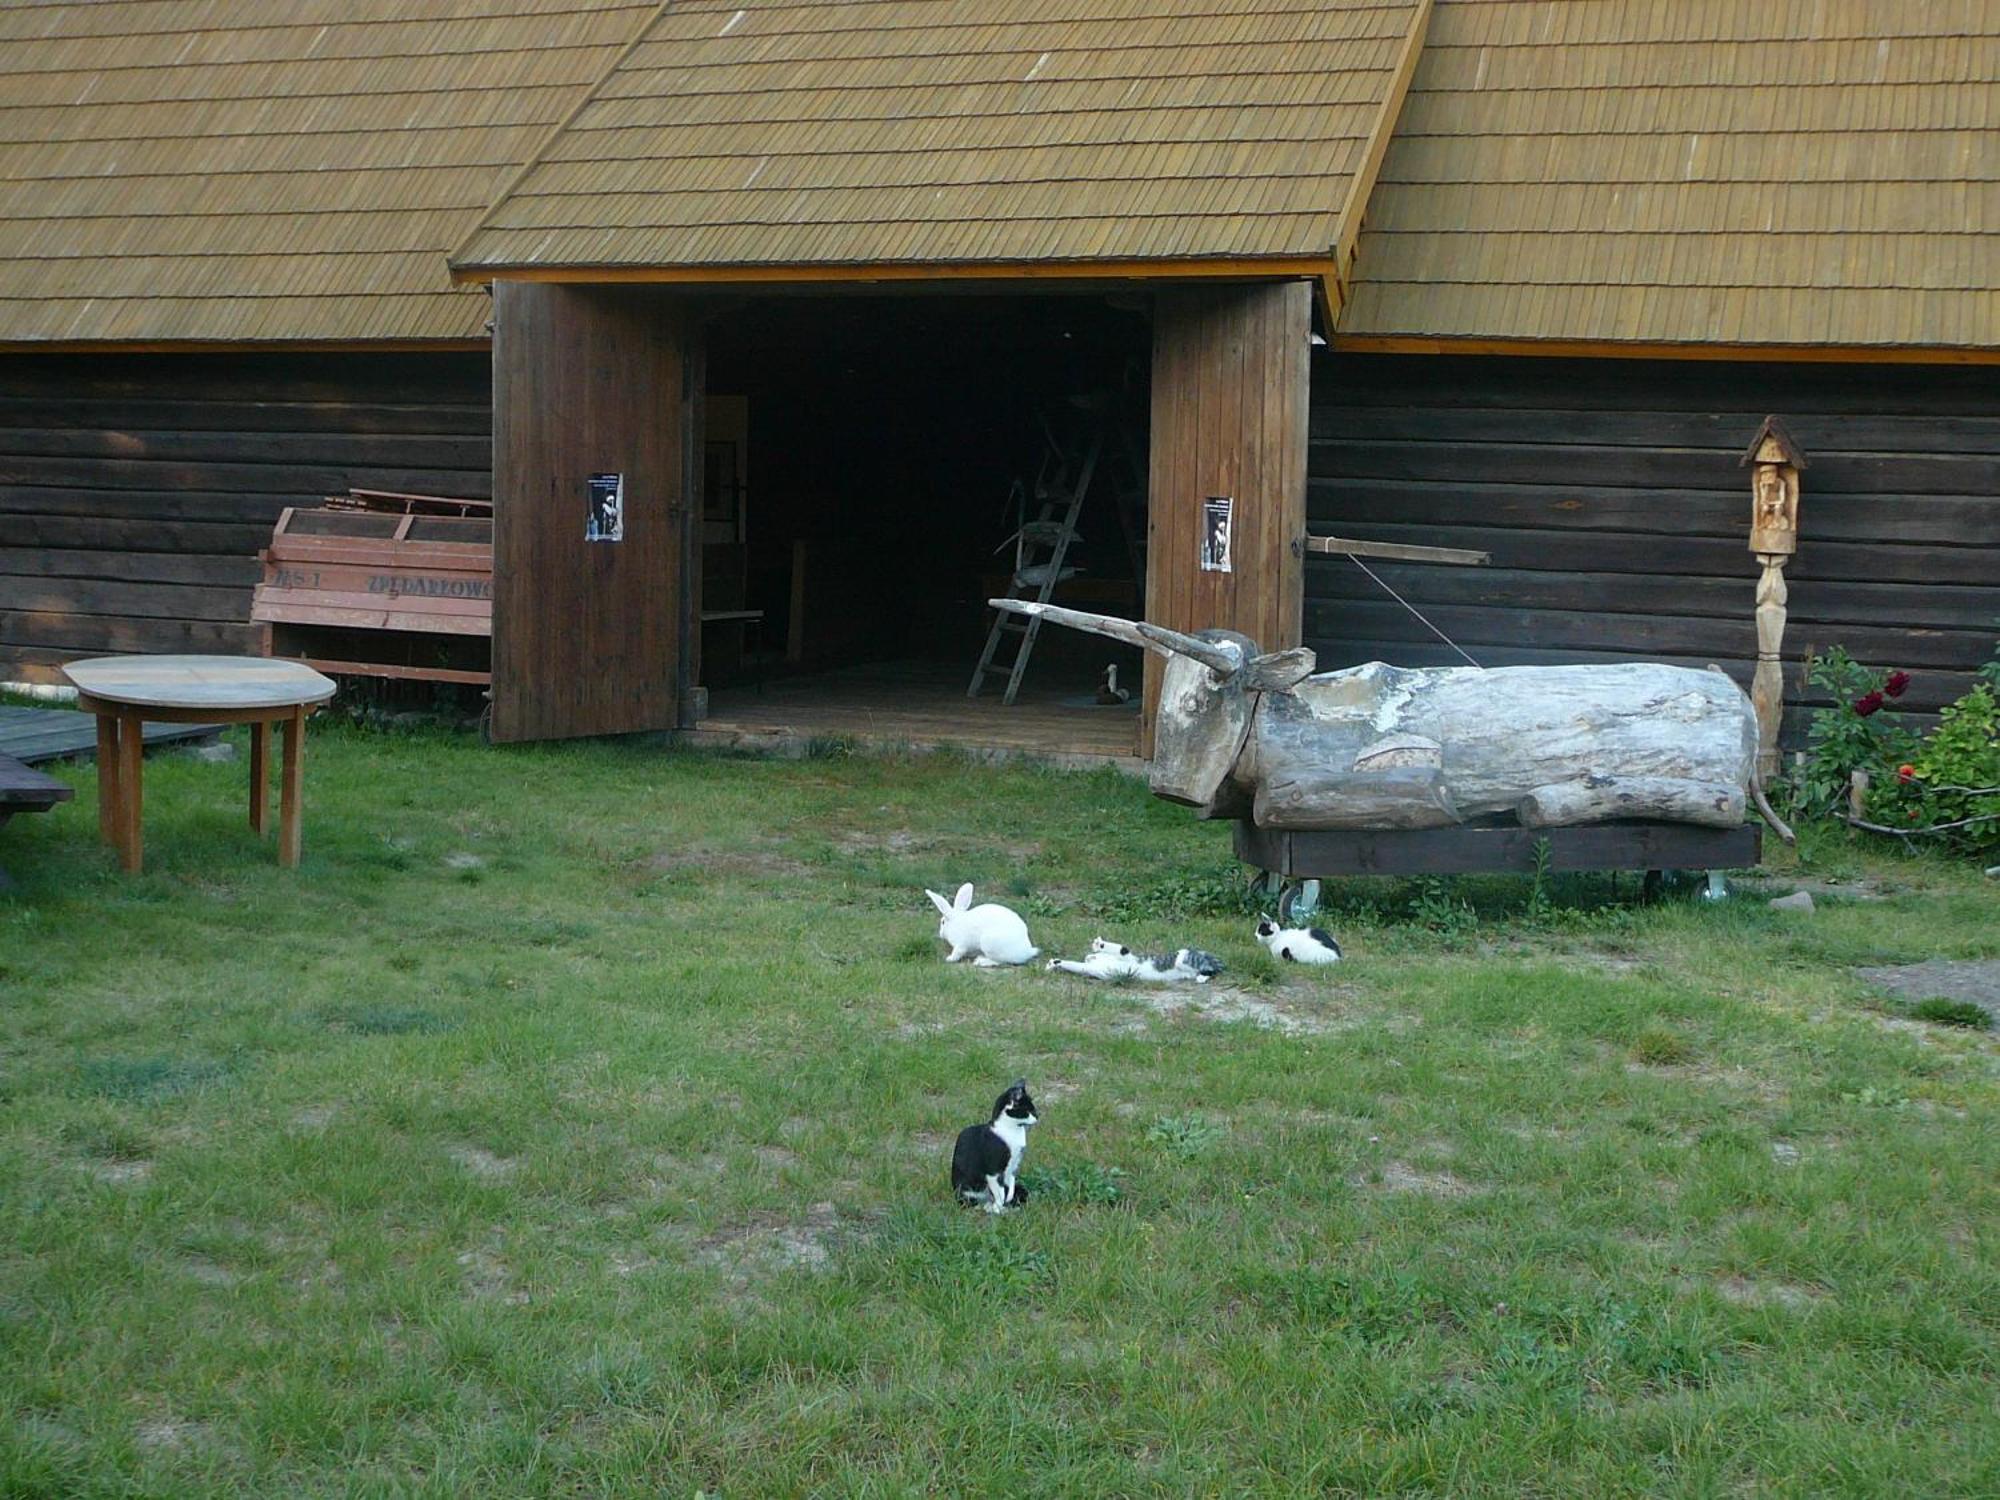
(963, 901)
(943, 906)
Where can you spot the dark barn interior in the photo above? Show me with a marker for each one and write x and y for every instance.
(868, 461)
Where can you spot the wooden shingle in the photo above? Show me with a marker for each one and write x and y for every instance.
(184, 171)
(838, 134)
(1705, 171)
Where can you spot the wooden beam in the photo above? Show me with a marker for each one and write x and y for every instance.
(246, 346)
(1236, 268)
(1372, 343)
(1341, 546)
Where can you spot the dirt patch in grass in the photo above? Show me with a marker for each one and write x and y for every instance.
(1745, 1292)
(756, 857)
(120, 1172)
(774, 1158)
(1974, 979)
(1401, 1177)
(892, 841)
(486, 1276)
(1271, 1011)
(771, 1244)
(482, 1163)
(1860, 888)
(208, 1272)
(168, 1435)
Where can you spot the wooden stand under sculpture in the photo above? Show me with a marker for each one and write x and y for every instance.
(1774, 537)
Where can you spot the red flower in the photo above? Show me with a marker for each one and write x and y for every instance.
(1913, 815)
(1896, 684)
(1867, 704)
(1906, 773)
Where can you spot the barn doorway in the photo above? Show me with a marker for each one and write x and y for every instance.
(868, 463)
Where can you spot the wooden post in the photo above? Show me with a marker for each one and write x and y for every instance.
(260, 774)
(289, 797)
(1774, 537)
(795, 624)
(131, 791)
(108, 816)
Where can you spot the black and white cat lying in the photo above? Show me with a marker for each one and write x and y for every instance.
(987, 1157)
(1300, 945)
(1109, 960)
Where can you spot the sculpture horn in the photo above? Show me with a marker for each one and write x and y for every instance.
(1217, 656)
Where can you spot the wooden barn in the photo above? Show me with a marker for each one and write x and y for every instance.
(801, 317)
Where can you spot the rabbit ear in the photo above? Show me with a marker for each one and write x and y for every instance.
(963, 901)
(943, 906)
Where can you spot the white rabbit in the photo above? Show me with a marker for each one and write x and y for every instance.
(990, 935)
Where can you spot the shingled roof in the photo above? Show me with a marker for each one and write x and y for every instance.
(185, 170)
(1572, 172)
(910, 133)
(1705, 171)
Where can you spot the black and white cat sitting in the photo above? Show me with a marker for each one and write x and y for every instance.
(987, 1157)
(1109, 960)
(1299, 945)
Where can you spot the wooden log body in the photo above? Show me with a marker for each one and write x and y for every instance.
(1665, 739)
(1603, 799)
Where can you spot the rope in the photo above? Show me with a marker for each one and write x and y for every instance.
(1411, 608)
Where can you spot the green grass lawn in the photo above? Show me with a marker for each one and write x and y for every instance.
(576, 1121)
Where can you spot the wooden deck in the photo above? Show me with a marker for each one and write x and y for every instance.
(923, 704)
(34, 735)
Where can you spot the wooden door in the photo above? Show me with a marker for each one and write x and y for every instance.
(589, 635)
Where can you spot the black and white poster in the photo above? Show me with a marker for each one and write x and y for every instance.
(607, 509)
(1216, 519)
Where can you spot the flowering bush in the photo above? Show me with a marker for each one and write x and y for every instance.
(1955, 778)
(1947, 782)
(1857, 734)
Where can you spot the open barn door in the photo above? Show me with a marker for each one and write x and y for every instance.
(1228, 481)
(595, 393)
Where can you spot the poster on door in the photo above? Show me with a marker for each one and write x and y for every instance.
(606, 522)
(1217, 517)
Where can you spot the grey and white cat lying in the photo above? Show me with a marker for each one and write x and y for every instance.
(1109, 960)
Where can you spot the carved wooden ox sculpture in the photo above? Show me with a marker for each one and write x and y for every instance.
(1243, 733)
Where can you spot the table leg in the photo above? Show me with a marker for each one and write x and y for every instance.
(107, 778)
(260, 773)
(131, 791)
(289, 790)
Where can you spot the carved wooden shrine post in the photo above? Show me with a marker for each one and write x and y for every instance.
(1775, 463)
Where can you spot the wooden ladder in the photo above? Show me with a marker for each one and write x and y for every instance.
(1040, 548)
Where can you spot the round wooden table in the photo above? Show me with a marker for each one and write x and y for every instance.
(125, 691)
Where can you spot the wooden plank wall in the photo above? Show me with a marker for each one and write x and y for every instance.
(1228, 418)
(135, 490)
(586, 635)
(1609, 493)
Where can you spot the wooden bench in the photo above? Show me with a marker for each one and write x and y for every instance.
(357, 589)
(24, 789)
